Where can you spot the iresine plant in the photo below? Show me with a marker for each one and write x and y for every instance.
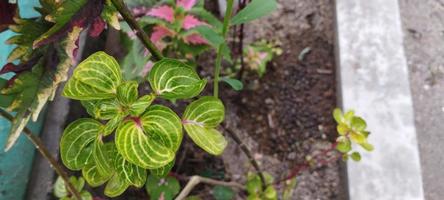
(61, 192)
(127, 136)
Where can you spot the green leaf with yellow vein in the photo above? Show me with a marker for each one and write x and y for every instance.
(127, 92)
(76, 145)
(163, 125)
(173, 79)
(209, 139)
(133, 174)
(116, 186)
(141, 149)
(100, 71)
(103, 155)
(200, 119)
(163, 171)
(102, 109)
(74, 89)
(92, 175)
(112, 124)
(139, 106)
(207, 111)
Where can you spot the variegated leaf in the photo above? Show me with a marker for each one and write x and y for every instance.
(141, 105)
(209, 139)
(102, 109)
(74, 89)
(100, 71)
(200, 119)
(104, 155)
(133, 174)
(92, 175)
(116, 186)
(172, 79)
(163, 171)
(76, 143)
(127, 92)
(112, 124)
(163, 125)
(140, 149)
(207, 111)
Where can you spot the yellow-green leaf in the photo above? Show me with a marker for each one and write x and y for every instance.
(141, 105)
(140, 149)
(209, 139)
(116, 186)
(76, 143)
(173, 79)
(100, 71)
(200, 119)
(132, 173)
(163, 171)
(127, 92)
(92, 175)
(163, 125)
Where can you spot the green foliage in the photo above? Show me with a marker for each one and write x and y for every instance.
(200, 119)
(146, 136)
(172, 79)
(223, 193)
(254, 188)
(254, 10)
(351, 129)
(237, 85)
(61, 192)
(162, 188)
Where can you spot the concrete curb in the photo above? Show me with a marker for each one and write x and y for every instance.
(374, 81)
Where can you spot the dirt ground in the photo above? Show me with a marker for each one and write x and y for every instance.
(286, 115)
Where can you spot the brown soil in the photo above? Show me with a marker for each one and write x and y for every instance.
(286, 115)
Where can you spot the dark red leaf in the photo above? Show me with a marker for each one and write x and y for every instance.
(10, 67)
(86, 16)
(7, 13)
(97, 27)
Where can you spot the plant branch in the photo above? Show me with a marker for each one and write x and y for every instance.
(141, 34)
(195, 180)
(249, 155)
(45, 153)
(220, 50)
(242, 4)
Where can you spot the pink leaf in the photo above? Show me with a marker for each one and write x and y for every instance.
(163, 12)
(159, 32)
(191, 22)
(195, 39)
(186, 4)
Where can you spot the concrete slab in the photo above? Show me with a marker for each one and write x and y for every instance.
(374, 81)
(422, 22)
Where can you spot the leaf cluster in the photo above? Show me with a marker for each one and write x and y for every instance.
(351, 129)
(146, 135)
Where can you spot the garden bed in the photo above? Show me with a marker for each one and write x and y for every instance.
(283, 117)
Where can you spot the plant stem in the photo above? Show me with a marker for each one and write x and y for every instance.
(242, 4)
(249, 155)
(225, 27)
(194, 180)
(141, 34)
(45, 153)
